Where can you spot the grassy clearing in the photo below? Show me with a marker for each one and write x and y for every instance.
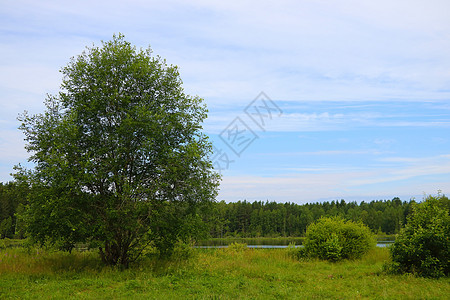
(210, 273)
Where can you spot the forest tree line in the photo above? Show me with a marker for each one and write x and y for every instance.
(272, 219)
(12, 202)
(247, 219)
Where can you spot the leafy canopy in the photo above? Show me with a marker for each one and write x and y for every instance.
(120, 160)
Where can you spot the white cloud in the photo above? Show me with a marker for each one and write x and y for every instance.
(330, 121)
(291, 49)
(406, 168)
(310, 184)
(229, 51)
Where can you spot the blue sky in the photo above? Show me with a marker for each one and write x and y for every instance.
(359, 90)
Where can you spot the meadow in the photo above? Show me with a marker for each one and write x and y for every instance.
(228, 273)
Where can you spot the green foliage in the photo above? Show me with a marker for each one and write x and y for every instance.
(423, 246)
(12, 201)
(237, 247)
(272, 219)
(119, 156)
(332, 248)
(8, 243)
(183, 251)
(335, 239)
(172, 224)
(257, 219)
(6, 228)
(296, 252)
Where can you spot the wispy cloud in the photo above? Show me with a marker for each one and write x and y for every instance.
(309, 184)
(407, 168)
(329, 153)
(332, 116)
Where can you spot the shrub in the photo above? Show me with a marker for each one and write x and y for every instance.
(182, 251)
(236, 247)
(423, 246)
(295, 252)
(335, 239)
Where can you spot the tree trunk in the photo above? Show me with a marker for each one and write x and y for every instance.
(115, 254)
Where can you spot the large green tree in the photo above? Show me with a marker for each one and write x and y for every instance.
(119, 157)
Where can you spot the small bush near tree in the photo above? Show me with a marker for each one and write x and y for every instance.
(423, 246)
(335, 239)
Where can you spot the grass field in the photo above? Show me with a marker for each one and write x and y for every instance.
(229, 273)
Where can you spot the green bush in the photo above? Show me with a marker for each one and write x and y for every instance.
(236, 247)
(335, 239)
(295, 252)
(182, 251)
(423, 246)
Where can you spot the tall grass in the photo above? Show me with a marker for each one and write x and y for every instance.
(40, 261)
(229, 273)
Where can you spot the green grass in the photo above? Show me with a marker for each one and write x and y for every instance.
(229, 273)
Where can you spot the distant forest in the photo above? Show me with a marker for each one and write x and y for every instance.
(272, 219)
(248, 219)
